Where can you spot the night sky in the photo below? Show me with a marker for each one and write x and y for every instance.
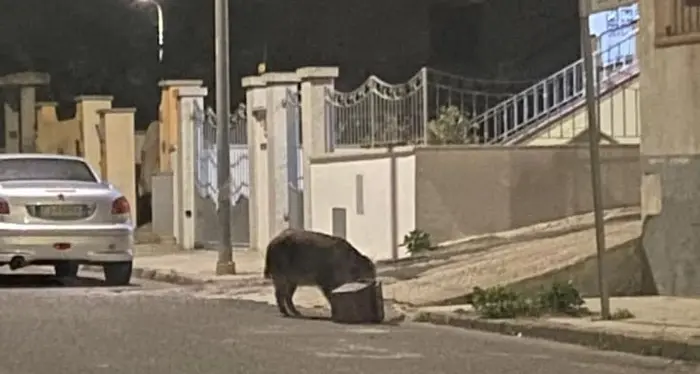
(110, 47)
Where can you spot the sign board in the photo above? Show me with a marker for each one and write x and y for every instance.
(595, 6)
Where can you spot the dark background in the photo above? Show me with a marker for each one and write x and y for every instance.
(110, 46)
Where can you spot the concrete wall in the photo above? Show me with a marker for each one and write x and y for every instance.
(463, 191)
(77, 136)
(360, 184)
(670, 149)
(54, 136)
(626, 272)
(619, 120)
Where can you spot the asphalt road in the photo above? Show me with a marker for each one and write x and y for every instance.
(49, 326)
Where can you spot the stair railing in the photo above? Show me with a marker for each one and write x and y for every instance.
(556, 94)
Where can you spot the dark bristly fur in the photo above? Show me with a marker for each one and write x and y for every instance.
(306, 258)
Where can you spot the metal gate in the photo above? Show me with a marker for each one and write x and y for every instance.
(206, 177)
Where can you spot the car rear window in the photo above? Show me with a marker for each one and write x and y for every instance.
(45, 169)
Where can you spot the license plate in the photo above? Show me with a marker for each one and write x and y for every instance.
(61, 211)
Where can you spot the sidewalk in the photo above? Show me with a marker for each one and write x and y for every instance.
(165, 263)
(663, 326)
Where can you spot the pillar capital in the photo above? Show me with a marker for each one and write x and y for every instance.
(318, 72)
(46, 104)
(280, 78)
(192, 91)
(103, 112)
(253, 81)
(82, 98)
(180, 83)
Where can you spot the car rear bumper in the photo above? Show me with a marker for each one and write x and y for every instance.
(88, 244)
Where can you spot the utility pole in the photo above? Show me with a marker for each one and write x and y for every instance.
(225, 264)
(594, 148)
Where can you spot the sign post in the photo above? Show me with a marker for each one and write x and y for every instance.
(586, 7)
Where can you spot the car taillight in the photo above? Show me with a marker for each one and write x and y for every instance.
(4, 207)
(121, 206)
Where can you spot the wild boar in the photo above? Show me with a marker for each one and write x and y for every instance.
(307, 258)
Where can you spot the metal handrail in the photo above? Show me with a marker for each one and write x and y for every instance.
(553, 95)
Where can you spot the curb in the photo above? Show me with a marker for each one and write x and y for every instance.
(180, 279)
(658, 347)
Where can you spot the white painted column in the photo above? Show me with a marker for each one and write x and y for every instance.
(278, 195)
(256, 113)
(174, 160)
(188, 99)
(11, 107)
(315, 135)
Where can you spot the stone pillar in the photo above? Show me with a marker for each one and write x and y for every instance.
(87, 113)
(169, 118)
(117, 127)
(189, 98)
(47, 130)
(20, 91)
(256, 117)
(670, 153)
(315, 135)
(11, 107)
(278, 196)
(27, 101)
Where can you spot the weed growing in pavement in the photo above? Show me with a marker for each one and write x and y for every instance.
(619, 314)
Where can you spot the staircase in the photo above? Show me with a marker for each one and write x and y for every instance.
(536, 108)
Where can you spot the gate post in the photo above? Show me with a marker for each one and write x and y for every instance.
(189, 98)
(279, 86)
(257, 161)
(315, 135)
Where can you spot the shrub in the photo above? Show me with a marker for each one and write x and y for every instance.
(452, 126)
(561, 298)
(500, 302)
(417, 241)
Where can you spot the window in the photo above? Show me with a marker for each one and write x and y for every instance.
(677, 22)
(45, 169)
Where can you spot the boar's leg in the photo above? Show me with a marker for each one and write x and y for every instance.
(281, 287)
(291, 288)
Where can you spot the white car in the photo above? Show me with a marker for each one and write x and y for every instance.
(55, 210)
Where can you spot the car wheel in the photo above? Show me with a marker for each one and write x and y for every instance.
(67, 269)
(118, 273)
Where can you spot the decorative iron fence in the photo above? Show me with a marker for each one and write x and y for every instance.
(378, 113)
(206, 154)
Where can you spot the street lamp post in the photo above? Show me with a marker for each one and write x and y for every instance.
(161, 26)
(225, 264)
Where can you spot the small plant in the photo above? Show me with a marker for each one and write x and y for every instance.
(452, 126)
(561, 298)
(619, 314)
(500, 302)
(417, 241)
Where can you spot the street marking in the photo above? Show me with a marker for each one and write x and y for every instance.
(365, 351)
